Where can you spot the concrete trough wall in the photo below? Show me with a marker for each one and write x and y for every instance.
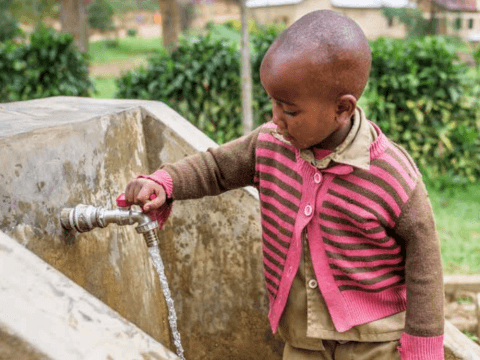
(44, 315)
(62, 151)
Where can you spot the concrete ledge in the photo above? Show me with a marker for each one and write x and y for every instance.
(458, 346)
(42, 309)
(454, 283)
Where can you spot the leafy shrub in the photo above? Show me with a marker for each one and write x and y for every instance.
(420, 96)
(8, 25)
(200, 80)
(418, 93)
(262, 106)
(100, 15)
(413, 20)
(132, 32)
(49, 65)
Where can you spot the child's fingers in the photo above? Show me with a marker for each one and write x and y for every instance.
(144, 193)
(131, 191)
(158, 201)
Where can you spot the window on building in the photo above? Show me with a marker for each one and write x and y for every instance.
(458, 23)
(435, 25)
(470, 23)
(390, 21)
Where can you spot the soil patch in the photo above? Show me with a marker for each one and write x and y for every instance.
(115, 69)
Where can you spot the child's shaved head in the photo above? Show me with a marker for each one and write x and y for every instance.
(333, 49)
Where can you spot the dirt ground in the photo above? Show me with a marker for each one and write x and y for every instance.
(115, 69)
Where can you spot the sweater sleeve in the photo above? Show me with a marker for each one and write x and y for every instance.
(229, 166)
(217, 170)
(424, 324)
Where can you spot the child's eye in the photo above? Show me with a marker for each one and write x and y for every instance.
(290, 113)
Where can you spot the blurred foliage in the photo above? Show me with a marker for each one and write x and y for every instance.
(34, 11)
(47, 65)
(413, 19)
(132, 32)
(100, 15)
(124, 6)
(418, 93)
(476, 57)
(201, 80)
(420, 96)
(9, 27)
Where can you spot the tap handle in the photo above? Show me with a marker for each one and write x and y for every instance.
(122, 202)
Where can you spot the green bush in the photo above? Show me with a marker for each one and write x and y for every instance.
(200, 80)
(262, 105)
(48, 65)
(132, 32)
(100, 15)
(418, 93)
(9, 27)
(420, 96)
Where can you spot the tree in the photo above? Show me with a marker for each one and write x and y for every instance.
(246, 72)
(8, 25)
(247, 112)
(100, 16)
(171, 22)
(35, 11)
(413, 19)
(74, 20)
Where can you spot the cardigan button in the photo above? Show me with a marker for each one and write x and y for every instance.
(312, 284)
(317, 178)
(308, 210)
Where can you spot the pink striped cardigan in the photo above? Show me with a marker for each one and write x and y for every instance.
(359, 251)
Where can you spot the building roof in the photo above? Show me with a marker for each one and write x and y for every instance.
(372, 3)
(457, 5)
(266, 3)
(340, 3)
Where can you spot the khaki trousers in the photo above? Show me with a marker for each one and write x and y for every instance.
(351, 350)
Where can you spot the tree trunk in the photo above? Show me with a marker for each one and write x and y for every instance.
(247, 114)
(74, 20)
(171, 22)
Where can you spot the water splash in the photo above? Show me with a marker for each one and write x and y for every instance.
(172, 315)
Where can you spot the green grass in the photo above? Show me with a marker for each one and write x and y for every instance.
(123, 6)
(128, 48)
(105, 87)
(457, 217)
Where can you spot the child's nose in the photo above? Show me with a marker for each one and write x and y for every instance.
(277, 119)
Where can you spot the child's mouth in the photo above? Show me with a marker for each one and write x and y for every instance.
(287, 136)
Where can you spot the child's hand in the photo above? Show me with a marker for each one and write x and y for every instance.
(139, 191)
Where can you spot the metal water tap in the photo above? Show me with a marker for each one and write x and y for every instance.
(83, 218)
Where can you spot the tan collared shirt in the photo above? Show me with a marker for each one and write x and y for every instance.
(306, 319)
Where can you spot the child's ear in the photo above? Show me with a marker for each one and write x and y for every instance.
(346, 105)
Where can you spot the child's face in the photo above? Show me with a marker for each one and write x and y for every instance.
(303, 114)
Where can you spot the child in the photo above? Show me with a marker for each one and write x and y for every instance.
(347, 224)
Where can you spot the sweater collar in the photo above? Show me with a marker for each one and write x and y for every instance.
(353, 151)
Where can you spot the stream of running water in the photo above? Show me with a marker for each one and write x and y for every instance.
(172, 315)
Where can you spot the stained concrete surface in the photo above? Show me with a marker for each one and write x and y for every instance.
(44, 315)
(63, 151)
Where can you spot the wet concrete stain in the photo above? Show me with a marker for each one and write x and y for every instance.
(211, 247)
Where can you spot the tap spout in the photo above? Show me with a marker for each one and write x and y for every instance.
(83, 218)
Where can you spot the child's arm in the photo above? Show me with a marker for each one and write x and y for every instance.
(217, 170)
(424, 324)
